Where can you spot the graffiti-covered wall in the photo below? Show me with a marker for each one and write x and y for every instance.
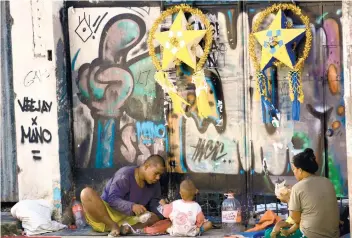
(35, 103)
(121, 115)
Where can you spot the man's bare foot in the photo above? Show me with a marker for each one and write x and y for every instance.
(115, 231)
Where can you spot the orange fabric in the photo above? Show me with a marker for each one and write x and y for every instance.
(159, 227)
(269, 218)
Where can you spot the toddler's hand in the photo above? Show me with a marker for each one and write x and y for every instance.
(162, 202)
(285, 232)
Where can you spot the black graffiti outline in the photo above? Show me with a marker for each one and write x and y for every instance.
(28, 105)
(122, 53)
(96, 29)
(37, 76)
(36, 157)
(88, 25)
(146, 78)
(35, 136)
(34, 121)
(119, 60)
(204, 145)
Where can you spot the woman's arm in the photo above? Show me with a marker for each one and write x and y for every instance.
(296, 216)
(294, 205)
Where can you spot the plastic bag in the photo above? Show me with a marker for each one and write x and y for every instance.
(281, 189)
(36, 216)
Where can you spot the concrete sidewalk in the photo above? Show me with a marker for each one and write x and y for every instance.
(10, 226)
(213, 233)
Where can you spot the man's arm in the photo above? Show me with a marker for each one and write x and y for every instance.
(119, 188)
(154, 202)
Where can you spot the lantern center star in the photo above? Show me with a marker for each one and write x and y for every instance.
(278, 42)
(178, 41)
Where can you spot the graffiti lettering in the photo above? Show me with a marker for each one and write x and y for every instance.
(35, 155)
(215, 150)
(143, 77)
(35, 75)
(34, 121)
(220, 105)
(147, 132)
(128, 138)
(35, 135)
(30, 105)
(149, 140)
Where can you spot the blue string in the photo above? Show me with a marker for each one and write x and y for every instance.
(296, 105)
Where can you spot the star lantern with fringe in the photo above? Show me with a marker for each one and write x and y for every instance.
(279, 48)
(178, 44)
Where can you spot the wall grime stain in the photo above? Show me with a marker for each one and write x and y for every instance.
(115, 93)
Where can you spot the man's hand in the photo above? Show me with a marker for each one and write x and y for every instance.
(138, 209)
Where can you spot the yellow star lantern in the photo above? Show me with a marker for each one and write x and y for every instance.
(177, 43)
(277, 42)
(279, 47)
(180, 43)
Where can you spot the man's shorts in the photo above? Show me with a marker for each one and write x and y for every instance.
(116, 216)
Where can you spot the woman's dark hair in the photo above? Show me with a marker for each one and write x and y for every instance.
(306, 161)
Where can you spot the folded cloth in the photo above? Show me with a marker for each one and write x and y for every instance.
(159, 227)
(269, 218)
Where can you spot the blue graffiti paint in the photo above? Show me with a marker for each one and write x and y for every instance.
(184, 70)
(57, 194)
(98, 152)
(182, 159)
(288, 167)
(74, 60)
(105, 144)
(217, 119)
(342, 81)
(273, 87)
(57, 197)
(129, 30)
(148, 131)
(210, 83)
(97, 92)
(229, 13)
(321, 18)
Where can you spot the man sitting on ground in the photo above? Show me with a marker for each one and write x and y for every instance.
(129, 194)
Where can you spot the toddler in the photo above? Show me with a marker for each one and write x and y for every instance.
(185, 214)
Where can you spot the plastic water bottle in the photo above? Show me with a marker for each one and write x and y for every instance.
(78, 214)
(231, 215)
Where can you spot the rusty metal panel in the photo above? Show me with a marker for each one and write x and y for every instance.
(9, 188)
